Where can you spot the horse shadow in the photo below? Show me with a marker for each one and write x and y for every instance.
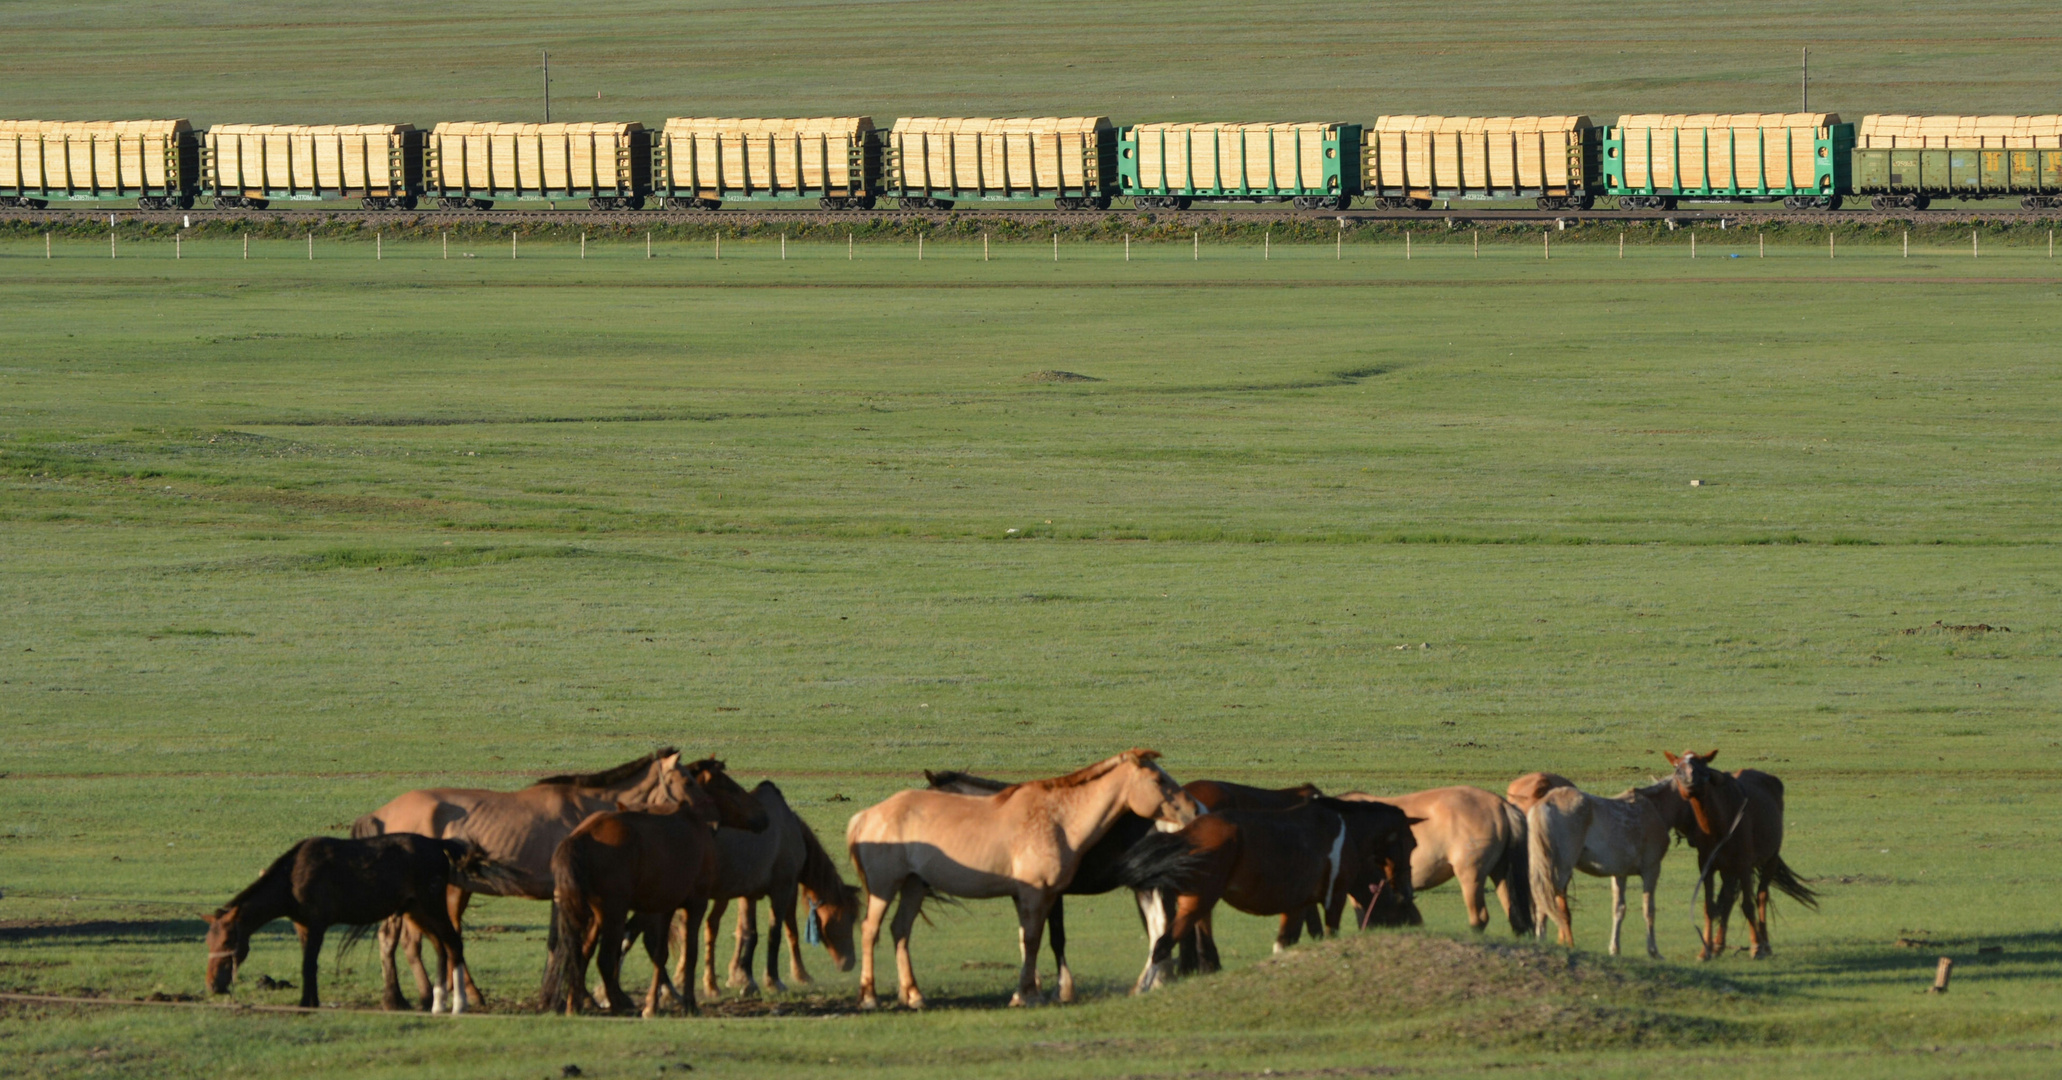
(108, 931)
(2030, 956)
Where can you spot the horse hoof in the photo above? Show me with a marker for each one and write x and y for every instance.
(913, 1000)
(775, 986)
(868, 1003)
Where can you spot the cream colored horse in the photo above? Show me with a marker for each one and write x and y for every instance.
(1568, 829)
(1023, 842)
(1472, 835)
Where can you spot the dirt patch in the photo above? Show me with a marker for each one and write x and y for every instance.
(1957, 628)
(1433, 989)
(1059, 377)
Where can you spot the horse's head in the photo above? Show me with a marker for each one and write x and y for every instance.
(1152, 794)
(1693, 772)
(731, 806)
(1385, 841)
(834, 915)
(228, 946)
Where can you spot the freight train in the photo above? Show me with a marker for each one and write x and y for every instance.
(1643, 161)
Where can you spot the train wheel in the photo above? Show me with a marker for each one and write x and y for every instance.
(833, 202)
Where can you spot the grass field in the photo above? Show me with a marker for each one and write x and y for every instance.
(283, 537)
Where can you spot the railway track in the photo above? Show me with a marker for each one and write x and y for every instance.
(1724, 216)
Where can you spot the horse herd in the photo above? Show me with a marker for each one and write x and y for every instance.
(620, 852)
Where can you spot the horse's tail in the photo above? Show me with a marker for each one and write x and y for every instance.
(562, 975)
(1514, 867)
(1778, 873)
(1545, 856)
(369, 825)
(1160, 861)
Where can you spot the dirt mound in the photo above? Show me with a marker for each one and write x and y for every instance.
(1059, 376)
(1436, 989)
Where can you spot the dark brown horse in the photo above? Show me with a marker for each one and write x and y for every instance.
(1735, 822)
(779, 865)
(324, 881)
(621, 862)
(1321, 853)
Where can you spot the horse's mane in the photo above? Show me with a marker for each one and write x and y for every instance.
(607, 777)
(954, 776)
(819, 871)
(282, 865)
(1093, 772)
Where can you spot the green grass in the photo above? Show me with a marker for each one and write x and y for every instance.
(285, 537)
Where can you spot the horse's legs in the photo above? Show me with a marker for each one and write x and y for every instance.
(1314, 922)
(1056, 921)
(1650, 877)
(1471, 895)
(389, 970)
(780, 919)
(1722, 907)
(1031, 909)
(411, 948)
(1206, 941)
(460, 899)
(657, 929)
(1188, 913)
(434, 921)
(869, 936)
(707, 967)
(1289, 932)
(745, 947)
(906, 911)
(609, 957)
(693, 911)
(1617, 909)
(1755, 909)
(1155, 910)
(311, 961)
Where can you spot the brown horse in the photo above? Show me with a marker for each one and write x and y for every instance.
(1023, 842)
(774, 866)
(1736, 824)
(1468, 834)
(620, 862)
(1568, 829)
(323, 882)
(521, 829)
(1319, 854)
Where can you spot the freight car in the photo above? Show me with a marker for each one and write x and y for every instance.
(246, 166)
(932, 162)
(1905, 162)
(155, 162)
(698, 163)
(1315, 166)
(1650, 161)
(466, 166)
(1411, 160)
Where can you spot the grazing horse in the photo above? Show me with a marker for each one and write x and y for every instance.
(1320, 854)
(1024, 842)
(622, 861)
(1469, 834)
(324, 881)
(773, 865)
(521, 829)
(1736, 824)
(1568, 829)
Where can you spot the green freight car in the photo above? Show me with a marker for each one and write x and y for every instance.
(1315, 166)
(1651, 161)
(1905, 162)
(155, 162)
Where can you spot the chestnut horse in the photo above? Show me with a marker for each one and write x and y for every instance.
(521, 829)
(1469, 834)
(1568, 829)
(1735, 822)
(1024, 842)
(324, 881)
(622, 861)
(1321, 853)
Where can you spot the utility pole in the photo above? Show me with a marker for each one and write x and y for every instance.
(1803, 81)
(547, 85)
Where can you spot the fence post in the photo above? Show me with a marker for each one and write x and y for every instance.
(1760, 246)
(46, 245)
(247, 245)
(311, 246)
(178, 246)
(719, 247)
(1693, 243)
(1829, 243)
(583, 244)
(1056, 247)
(984, 247)
(379, 247)
(511, 244)
(1546, 244)
(1127, 247)
(1621, 243)
(446, 239)
(1975, 249)
(920, 247)
(1406, 245)
(110, 243)
(1196, 253)
(1478, 244)
(783, 246)
(1908, 244)
(647, 243)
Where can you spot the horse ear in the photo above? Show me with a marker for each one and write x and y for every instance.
(1414, 822)
(1672, 759)
(1709, 756)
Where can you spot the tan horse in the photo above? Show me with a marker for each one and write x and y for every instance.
(521, 829)
(1468, 834)
(1023, 842)
(1568, 829)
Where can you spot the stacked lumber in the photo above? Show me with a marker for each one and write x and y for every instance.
(1959, 132)
(1423, 154)
(719, 155)
(1720, 151)
(110, 155)
(496, 157)
(306, 158)
(1264, 157)
(1027, 155)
